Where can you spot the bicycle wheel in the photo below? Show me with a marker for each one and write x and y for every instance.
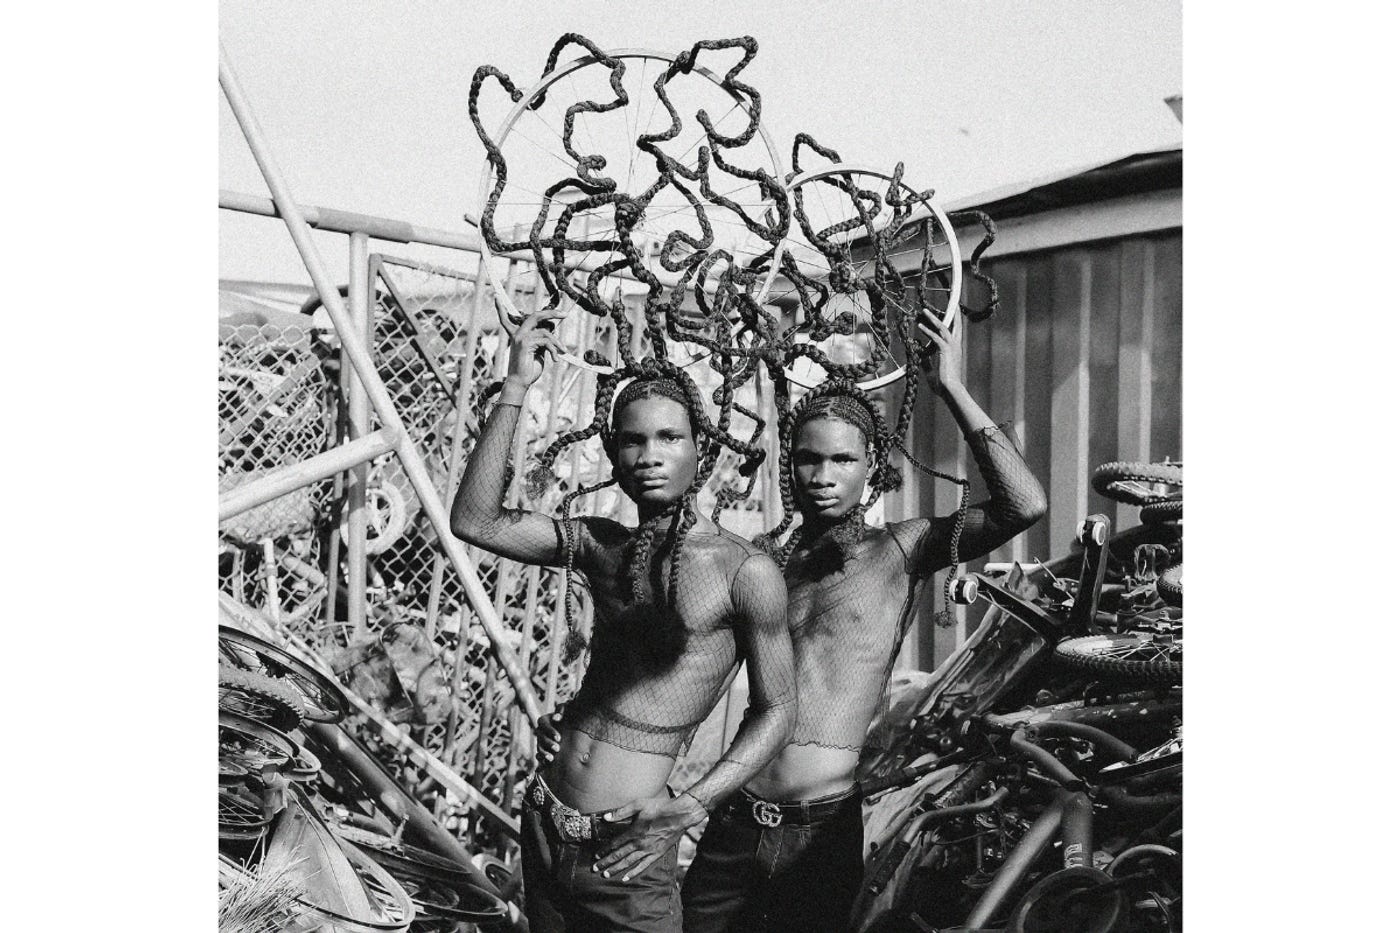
(241, 813)
(579, 226)
(246, 747)
(259, 697)
(1160, 513)
(1169, 586)
(1084, 900)
(322, 699)
(1138, 483)
(439, 888)
(865, 257)
(1139, 656)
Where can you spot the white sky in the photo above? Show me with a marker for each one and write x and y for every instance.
(365, 104)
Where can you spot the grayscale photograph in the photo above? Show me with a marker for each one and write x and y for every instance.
(700, 467)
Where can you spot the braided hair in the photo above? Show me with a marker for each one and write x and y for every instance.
(650, 378)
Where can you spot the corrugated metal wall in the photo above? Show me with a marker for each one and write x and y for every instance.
(1084, 358)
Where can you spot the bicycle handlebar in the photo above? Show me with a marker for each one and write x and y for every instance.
(894, 855)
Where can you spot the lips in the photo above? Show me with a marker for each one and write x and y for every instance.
(824, 502)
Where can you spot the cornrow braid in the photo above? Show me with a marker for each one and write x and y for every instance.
(845, 401)
(574, 642)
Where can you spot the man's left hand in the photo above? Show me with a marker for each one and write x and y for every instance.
(657, 826)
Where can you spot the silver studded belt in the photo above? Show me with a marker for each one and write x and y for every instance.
(571, 825)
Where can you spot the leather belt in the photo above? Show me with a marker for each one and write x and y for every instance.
(768, 813)
(572, 825)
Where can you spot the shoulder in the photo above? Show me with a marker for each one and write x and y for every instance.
(746, 566)
(908, 535)
(601, 534)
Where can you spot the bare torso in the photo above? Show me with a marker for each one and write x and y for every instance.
(846, 625)
(653, 676)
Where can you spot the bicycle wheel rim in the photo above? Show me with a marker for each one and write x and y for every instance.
(507, 276)
(247, 746)
(322, 698)
(817, 208)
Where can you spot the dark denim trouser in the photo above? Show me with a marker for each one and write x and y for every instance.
(564, 893)
(796, 877)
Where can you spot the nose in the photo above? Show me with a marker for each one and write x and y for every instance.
(649, 455)
(821, 479)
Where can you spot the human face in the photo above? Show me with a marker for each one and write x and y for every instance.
(829, 468)
(656, 456)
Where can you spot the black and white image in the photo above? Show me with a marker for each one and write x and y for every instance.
(700, 468)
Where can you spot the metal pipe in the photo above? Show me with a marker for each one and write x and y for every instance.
(1040, 835)
(357, 521)
(412, 461)
(399, 231)
(423, 828)
(1052, 766)
(1078, 830)
(1110, 745)
(336, 221)
(293, 476)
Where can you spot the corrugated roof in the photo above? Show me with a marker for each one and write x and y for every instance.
(1150, 170)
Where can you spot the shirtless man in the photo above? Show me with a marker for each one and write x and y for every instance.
(599, 831)
(786, 854)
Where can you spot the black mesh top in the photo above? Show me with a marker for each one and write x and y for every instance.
(848, 619)
(658, 665)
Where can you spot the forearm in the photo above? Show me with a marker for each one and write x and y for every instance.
(761, 736)
(477, 507)
(966, 412)
(1015, 498)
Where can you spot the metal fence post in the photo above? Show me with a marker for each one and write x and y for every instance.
(412, 461)
(357, 520)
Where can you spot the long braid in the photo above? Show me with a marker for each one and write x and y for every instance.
(574, 642)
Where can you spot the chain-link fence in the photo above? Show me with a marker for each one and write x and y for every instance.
(438, 345)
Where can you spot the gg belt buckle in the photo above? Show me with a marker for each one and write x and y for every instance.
(766, 813)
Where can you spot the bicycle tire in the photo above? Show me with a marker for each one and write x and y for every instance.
(1137, 656)
(322, 699)
(1117, 481)
(1160, 513)
(259, 697)
(246, 746)
(1169, 586)
(241, 813)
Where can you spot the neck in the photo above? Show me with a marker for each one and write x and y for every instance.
(649, 513)
(816, 527)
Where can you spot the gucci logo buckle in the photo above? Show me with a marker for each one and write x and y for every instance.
(766, 813)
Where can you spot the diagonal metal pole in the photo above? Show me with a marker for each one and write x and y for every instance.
(379, 397)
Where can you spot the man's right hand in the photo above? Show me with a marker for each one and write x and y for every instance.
(547, 738)
(532, 340)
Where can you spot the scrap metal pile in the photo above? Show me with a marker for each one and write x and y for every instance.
(1033, 781)
(636, 198)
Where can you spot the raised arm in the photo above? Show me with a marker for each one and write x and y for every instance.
(1015, 499)
(760, 601)
(478, 516)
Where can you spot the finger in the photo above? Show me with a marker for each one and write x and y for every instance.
(627, 866)
(936, 322)
(641, 865)
(624, 812)
(620, 847)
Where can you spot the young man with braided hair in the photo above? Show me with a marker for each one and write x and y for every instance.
(678, 603)
(787, 853)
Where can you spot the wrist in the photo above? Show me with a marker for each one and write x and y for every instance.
(513, 391)
(693, 807)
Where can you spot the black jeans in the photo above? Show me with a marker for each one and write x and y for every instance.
(564, 893)
(797, 876)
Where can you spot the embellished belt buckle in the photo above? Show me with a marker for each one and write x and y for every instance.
(576, 827)
(766, 813)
